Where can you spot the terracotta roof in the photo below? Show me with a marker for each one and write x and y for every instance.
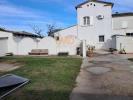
(122, 14)
(20, 33)
(104, 2)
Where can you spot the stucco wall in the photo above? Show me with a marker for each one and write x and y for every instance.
(68, 44)
(98, 27)
(68, 31)
(68, 40)
(124, 42)
(19, 45)
(48, 43)
(24, 45)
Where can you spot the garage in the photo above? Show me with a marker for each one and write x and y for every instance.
(3, 46)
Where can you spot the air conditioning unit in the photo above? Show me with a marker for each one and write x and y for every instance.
(100, 17)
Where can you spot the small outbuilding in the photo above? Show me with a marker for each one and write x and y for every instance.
(122, 42)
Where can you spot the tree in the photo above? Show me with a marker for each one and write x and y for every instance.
(52, 29)
(37, 30)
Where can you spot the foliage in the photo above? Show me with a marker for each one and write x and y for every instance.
(52, 29)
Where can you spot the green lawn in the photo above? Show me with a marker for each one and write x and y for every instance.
(50, 78)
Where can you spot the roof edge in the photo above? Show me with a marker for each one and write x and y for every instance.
(98, 1)
(122, 14)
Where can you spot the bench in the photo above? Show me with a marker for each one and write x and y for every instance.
(39, 52)
(63, 54)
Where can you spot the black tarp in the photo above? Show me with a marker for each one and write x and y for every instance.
(9, 83)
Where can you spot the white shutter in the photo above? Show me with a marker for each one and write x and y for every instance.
(91, 20)
(124, 24)
(81, 21)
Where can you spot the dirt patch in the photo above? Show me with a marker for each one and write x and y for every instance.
(9, 66)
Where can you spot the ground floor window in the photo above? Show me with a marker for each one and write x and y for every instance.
(129, 34)
(101, 38)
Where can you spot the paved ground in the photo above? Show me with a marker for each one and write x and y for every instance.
(104, 77)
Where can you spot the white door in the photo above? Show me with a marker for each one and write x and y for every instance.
(3, 46)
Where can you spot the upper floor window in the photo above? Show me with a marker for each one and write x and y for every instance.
(86, 20)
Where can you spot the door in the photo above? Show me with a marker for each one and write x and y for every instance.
(3, 46)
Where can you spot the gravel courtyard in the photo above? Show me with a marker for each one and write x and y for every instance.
(104, 77)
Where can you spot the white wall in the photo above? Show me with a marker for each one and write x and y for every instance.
(68, 31)
(99, 27)
(19, 45)
(118, 23)
(24, 45)
(3, 46)
(124, 42)
(48, 43)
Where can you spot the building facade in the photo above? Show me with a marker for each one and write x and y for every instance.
(96, 24)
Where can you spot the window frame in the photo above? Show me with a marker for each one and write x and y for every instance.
(86, 21)
(101, 38)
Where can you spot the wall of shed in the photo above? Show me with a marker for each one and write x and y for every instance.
(118, 25)
(124, 42)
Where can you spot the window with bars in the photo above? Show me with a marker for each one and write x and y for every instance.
(101, 38)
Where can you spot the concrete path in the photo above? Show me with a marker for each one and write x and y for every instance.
(104, 77)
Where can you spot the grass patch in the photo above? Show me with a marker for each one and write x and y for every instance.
(50, 78)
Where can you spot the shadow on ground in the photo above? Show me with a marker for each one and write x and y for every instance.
(81, 96)
(39, 95)
(62, 95)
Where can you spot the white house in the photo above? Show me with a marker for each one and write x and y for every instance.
(96, 25)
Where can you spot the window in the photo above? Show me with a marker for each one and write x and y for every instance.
(86, 20)
(101, 38)
(129, 34)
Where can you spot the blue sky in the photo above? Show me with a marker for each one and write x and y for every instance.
(22, 14)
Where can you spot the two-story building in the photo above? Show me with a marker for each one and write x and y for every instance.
(96, 25)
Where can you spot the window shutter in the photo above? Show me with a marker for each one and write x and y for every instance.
(124, 24)
(91, 20)
(81, 21)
